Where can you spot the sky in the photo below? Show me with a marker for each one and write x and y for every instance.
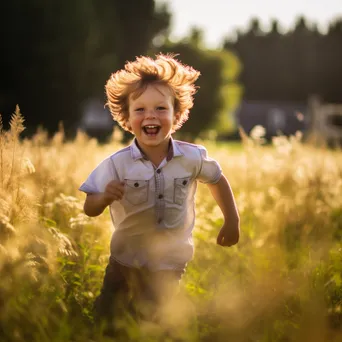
(220, 18)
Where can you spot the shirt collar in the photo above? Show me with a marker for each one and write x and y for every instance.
(137, 153)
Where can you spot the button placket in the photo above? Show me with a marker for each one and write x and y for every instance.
(159, 179)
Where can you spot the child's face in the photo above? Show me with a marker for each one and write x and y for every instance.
(151, 116)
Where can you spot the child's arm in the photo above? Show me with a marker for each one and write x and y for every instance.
(96, 203)
(223, 195)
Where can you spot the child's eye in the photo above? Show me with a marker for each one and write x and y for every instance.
(161, 108)
(139, 110)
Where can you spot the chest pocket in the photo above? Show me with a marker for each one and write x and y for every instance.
(181, 189)
(136, 191)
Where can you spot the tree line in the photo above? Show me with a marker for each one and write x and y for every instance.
(290, 66)
(56, 55)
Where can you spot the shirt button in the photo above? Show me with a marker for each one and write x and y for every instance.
(136, 184)
(184, 182)
(158, 171)
(160, 196)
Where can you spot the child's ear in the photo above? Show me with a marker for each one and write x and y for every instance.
(176, 118)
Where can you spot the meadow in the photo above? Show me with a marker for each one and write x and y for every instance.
(282, 282)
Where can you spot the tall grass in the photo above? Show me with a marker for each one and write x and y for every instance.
(282, 282)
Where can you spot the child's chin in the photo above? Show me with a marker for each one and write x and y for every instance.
(152, 142)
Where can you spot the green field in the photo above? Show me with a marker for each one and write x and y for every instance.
(282, 282)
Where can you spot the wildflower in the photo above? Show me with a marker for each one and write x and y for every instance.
(257, 134)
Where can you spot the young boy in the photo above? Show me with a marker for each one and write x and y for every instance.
(150, 185)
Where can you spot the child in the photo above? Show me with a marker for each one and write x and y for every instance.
(150, 185)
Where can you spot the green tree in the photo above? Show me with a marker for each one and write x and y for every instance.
(56, 54)
(218, 92)
(290, 66)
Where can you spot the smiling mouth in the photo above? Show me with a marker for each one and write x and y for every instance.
(151, 129)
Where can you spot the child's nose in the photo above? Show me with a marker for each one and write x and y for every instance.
(151, 114)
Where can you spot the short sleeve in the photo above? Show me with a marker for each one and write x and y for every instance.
(100, 177)
(210, 171)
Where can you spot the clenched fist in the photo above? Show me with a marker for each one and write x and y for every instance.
(114, 191)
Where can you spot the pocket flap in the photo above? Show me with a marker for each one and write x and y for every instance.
(136, 184)
(182, 182)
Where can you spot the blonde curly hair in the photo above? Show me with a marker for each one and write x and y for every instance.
(137, 75)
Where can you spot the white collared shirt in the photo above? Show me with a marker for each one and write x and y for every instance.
(154, 220)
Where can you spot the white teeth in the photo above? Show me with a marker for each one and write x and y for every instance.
(151, 126)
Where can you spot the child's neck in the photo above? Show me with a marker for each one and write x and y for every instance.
(156, 159)
(156, 154)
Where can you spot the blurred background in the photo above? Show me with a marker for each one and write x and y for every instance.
(278, 65)
(268, 67)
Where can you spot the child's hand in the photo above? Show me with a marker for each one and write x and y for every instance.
(114, 191)
(229, 234)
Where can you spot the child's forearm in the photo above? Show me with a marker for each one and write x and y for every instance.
(95, 204)
(224, 197)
